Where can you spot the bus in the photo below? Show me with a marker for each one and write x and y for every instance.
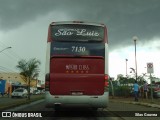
(77, 65)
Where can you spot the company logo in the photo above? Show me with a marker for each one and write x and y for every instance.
(6, 114)
(17, 114)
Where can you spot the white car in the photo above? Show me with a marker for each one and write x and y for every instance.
(20, 92)
(36, 92)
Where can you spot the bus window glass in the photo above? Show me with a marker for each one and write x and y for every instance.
(71, 48)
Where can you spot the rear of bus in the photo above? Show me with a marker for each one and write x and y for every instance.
(77, 65)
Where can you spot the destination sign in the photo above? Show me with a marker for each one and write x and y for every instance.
(80, 32)
(77, 32)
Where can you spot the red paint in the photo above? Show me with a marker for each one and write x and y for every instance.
(105, 35)
(49, 35)
(64, 78)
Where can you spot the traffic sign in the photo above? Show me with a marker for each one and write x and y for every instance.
(150, 67)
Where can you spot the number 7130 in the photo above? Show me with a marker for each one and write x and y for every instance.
(78, 49)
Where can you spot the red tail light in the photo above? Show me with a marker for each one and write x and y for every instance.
(106, 78)
(47, 83)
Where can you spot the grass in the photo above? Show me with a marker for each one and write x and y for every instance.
(19, 102)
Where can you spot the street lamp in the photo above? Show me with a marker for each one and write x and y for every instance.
(5, 49)
(135, 38)
(126, 67)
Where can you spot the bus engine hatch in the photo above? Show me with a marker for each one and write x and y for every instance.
(77, 76)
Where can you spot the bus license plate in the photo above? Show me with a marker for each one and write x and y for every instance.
(77, 93)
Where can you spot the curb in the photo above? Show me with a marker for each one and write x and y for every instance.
(139, 103)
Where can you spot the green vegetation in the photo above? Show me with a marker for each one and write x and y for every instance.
(29, 69)
(18, 102)
(122, 87)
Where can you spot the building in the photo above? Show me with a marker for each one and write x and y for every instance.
(14, 80)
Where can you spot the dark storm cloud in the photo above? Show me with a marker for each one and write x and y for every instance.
(14, 13)
(124, 18)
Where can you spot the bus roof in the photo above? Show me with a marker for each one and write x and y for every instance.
(77, 22)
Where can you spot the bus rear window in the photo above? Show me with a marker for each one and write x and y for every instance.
(77, 32)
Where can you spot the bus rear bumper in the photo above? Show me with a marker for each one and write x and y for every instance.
(77, 101)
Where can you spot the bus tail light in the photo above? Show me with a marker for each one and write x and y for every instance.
(47, 77)
(106, 78)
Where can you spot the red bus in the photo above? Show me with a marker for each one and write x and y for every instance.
(77, 65)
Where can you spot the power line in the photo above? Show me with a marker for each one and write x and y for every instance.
(2, 44)
(6, 69)
(12, 55)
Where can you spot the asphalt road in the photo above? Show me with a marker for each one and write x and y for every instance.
(115, 111)
(65, 114)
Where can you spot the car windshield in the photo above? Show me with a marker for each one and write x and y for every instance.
(19, 90)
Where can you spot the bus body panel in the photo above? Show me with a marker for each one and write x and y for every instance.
(106, 59)
(47, 65)
(76, 76)
(69, 87)
(84, 100)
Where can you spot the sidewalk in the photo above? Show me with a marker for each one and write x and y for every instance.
(142, 101)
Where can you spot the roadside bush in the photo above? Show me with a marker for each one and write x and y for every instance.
(123, 91)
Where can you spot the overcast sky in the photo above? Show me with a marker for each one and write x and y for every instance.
(24, 25)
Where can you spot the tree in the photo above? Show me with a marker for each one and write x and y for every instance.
(29, 69)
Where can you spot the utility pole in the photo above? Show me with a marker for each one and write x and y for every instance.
(126, 67)
(135, 39)
(150, 70)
